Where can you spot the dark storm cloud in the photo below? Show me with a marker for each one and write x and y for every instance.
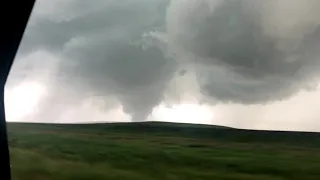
(136, 74)
(105, 52)
(102, 17)
(243, 51)
(248, 51)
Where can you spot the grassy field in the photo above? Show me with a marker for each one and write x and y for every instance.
(150, 150)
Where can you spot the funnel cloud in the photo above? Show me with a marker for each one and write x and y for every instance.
(132, 56)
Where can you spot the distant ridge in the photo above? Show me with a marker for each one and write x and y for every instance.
(150, 123)
(156, 123)
(199, 131)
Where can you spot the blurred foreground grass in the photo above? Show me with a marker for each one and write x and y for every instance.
(160, 151)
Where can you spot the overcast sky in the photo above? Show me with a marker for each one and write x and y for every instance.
(240, 63)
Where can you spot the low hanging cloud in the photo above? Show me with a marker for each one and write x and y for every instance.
(248, 51)
(133, 55)
(104, 53)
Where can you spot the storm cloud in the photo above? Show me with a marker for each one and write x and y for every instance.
(134, 55)
(105, 52)
(248, 51)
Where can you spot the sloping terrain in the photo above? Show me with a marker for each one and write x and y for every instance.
(156, 150)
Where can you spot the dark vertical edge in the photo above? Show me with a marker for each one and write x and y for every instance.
(14, 15)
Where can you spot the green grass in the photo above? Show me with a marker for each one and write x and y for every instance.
(153, 151)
